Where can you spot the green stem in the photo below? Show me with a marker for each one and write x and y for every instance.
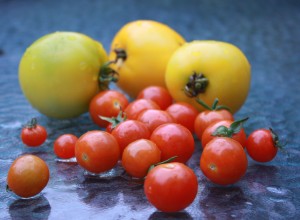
(214, 107)
(162, 162)
(234, 128)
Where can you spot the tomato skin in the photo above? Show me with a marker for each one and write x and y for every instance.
(108, 104)
(174, 140)
(134, 108)
(34, 136)
(171, 187)
(28, 176)
(260, 146)
(223, 161)
(205, 118)
(64, 146)
(184, 114)
(138, 156)
(97, 151)
(207, 134)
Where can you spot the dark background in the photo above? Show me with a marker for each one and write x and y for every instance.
(266, 31)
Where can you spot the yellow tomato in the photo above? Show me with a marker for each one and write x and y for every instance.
(143, 49)
(209, 70)
(58, 73)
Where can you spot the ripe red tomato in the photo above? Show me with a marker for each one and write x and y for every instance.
(154, 118)
(157, 94)
(33, 134)
(184, 114)
(129, 131)
(171, 187)
(262, 145)
(223, 161)
(64, 146)
(107, 103)
(28, 176)
(138, 156)
(174, 140)
(208, 133)
(134, 108)
(97, 151)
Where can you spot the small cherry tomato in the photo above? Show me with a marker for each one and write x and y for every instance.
(157, 94)
(174, 140)
(64, 146)
(107, 103)
(129, 131)
(171, 187)
(28, 176)
(97, 151)
(184, 114)
(262, 145)
(223, 161)
(154, 118)
(33, 134)
(134, 108)
(138, 156)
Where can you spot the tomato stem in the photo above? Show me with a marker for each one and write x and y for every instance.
(214, 107)
(276, 141)
(32, 123)
(7, 188)
(234, 128)
(162, 162)
(107, 75)
(115, 120)
(197, 84)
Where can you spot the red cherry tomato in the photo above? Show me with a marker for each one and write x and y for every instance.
(64, 146)
(262, 145)
(107, 103)
(174, 140)
(184, 114)
(157, 94)
(138, 156)
(223, 161)
(134, 108)
(97, 151)
(33, 134)
(171, 187)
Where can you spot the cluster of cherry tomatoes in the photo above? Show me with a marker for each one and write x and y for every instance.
(153, 137)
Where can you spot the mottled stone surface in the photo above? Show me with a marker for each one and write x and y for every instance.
(267, 31)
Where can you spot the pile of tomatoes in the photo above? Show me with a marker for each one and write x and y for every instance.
(153, 133)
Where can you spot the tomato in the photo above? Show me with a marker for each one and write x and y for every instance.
(184, 114)
(134, 108)
(58, 73)
(174, 140)
(154, 118)
(223, 161)
(209, 69)
(157, 94)
(64, 146)
(97, 151)
(108, 104)
(33, 134)
(207, 135)
(27, 176)
(142, 49)
(262, 145)
(171, 187)
(138, 156)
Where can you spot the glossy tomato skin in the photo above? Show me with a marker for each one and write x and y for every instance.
(107, 103)
(207, 134)
(157, 94)
(138, 156)
(97, 151)
(64, 146)
(34, 136)
(171, 187)
(223, 161)
(174, 140)
(184, 114)
(129, 131)
(205, 118)
(28, 176)
(260, 146)
(134, 108)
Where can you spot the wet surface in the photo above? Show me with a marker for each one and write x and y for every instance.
(268, 33)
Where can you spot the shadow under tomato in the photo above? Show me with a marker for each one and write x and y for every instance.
(175, 215)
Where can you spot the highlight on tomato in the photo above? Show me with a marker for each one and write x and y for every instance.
(33, 134)
(64, 146)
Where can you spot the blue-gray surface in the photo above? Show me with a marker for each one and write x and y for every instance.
(267, 31)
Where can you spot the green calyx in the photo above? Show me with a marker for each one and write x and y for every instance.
(276, 139)
(197, 84)
(234, 128)
(214, 107)
(31, 124)
(115, 120)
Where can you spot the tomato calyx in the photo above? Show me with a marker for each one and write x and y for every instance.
(8, 189)
(107, 75)
(121, 54)
(214, 107)
(114, 121)
(162, 162)
(234, 128)
(197, 84)
(31, 124)
(276, 141)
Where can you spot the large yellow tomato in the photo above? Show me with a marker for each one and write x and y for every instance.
(143, 49)
(59, 72)
(209, 70)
